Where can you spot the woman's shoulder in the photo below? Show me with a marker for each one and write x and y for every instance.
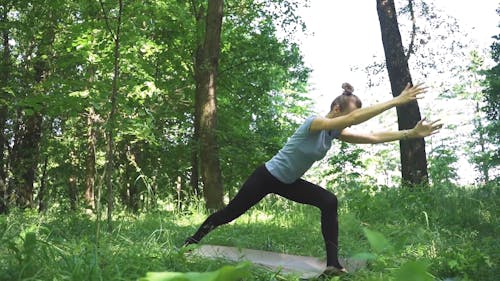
(306, 124)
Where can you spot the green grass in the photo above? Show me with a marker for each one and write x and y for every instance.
(446, 232)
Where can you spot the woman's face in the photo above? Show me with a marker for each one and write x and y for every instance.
(350, 108)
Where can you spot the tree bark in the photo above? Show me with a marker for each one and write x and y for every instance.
(207, 59)
(413, 157)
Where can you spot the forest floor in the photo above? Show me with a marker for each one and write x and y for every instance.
(440, 233)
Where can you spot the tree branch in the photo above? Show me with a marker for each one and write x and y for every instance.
(193, 6)
(106, 19)
(413, 31)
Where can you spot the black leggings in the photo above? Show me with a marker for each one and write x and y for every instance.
(261, 183)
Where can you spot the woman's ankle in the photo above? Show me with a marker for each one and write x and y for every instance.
(190, 240)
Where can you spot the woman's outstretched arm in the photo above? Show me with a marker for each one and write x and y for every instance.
(420, 130)
(361, 115)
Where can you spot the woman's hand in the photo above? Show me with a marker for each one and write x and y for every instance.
(410, 94)
(422, 130)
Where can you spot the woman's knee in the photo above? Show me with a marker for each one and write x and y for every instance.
(330, 202)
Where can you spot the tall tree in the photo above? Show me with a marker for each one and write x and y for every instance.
(471, 90)
(90, 157)
(156, 50)
(28, 129)
(4, 79)
(413, 157)
(206, 63)
(492, 108)
(112, 115)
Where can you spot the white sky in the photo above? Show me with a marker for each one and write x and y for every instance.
(345, 34)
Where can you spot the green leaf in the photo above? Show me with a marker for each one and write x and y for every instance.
(453, 264)
(225, 273)
(29, 111)
(377, 241)
(413, 271)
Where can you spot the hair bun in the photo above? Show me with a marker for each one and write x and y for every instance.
(348, 88)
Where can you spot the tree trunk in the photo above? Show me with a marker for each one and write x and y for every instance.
(4, 74)
(483, 167)
(91, 144)
(112, 114)
(128, 178)
(195, 168)
(25, 160)
(134, 157)
(90, 161)
(72, 192)
(413, 157)
(180, 198)
(25, 153)
(42, 204)
(28, 125)
(72, 182)
(207, 59)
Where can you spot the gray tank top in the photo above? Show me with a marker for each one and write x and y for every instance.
(302, 149)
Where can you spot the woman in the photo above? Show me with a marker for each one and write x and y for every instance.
(281, 175)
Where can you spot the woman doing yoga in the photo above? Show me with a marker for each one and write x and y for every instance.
(282, 174)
